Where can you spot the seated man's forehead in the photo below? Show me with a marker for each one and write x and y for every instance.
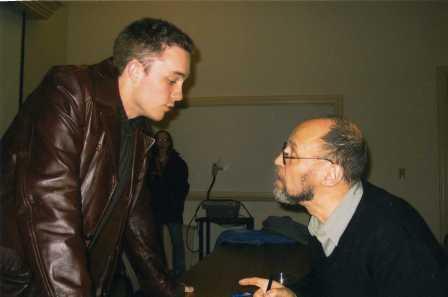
(307, 140)
(307, 134)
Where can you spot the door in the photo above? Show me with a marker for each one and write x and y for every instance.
(442, 107)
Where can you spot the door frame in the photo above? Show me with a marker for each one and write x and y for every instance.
(442, 146)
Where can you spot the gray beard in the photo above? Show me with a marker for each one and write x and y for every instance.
(283, 197)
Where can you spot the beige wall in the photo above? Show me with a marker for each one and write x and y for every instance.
(381, 57)
(10, 44)
(442, 108)
(45, 47)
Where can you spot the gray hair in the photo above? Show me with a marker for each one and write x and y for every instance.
(347, 147)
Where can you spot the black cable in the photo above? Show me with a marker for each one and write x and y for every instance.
(215, 170)
(247, 211)
(189, 227)
(207, 197)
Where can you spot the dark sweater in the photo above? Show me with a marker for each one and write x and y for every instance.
(386, 250)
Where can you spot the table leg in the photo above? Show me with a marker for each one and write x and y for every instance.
(201, 240)
(250, 225)
(207, 237)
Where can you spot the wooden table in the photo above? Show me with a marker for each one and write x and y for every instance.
(217, 274)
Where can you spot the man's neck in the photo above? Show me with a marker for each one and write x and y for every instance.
(326, 200)
(124, 89)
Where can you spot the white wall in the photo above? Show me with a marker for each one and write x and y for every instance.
(381, 57)
(229, 138)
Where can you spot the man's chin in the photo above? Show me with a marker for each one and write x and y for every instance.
(155, 117)
(283, 197)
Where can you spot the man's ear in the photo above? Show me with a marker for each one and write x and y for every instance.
(135, 70)
(334, 174)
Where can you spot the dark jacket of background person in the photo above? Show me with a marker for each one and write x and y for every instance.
(169, 189)
(59, 170)
(387, 250)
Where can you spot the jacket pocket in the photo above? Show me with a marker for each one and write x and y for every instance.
(14, 277)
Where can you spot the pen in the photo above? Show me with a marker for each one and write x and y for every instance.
(269, 284)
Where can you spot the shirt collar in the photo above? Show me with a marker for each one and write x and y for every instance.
(331, 231)
(134, 123)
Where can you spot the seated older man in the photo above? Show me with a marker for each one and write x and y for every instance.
(366, 241)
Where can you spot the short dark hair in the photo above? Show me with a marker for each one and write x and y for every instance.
(147, 37)
(347, 147)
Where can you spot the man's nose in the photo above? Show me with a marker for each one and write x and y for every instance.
(279, 160)
(177, 94)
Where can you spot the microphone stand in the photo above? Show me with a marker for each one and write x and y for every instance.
(215, 170)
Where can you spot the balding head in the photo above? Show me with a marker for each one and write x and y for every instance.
(312, 131)
(339, 140)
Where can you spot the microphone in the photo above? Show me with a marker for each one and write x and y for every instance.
(216, 167)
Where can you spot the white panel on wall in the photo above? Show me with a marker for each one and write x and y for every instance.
(244, 136)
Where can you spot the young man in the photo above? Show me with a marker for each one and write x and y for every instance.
(72, 166)
(366, 242)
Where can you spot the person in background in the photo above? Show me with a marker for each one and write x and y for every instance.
(167, 180)
(72, 167)
(365, 241)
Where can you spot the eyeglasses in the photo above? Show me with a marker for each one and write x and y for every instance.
(286, 156)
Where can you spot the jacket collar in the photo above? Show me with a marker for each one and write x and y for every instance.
(105, 84)
(107, 98)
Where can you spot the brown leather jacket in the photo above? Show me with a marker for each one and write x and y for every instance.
(59, 168)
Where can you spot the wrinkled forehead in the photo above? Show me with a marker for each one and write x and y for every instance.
(307, 138)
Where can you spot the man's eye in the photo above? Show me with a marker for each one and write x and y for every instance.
(172, 82)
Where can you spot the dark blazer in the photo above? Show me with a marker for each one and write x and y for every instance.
(59, 170)
(386, 250)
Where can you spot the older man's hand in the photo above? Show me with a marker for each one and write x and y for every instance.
(277, 289)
